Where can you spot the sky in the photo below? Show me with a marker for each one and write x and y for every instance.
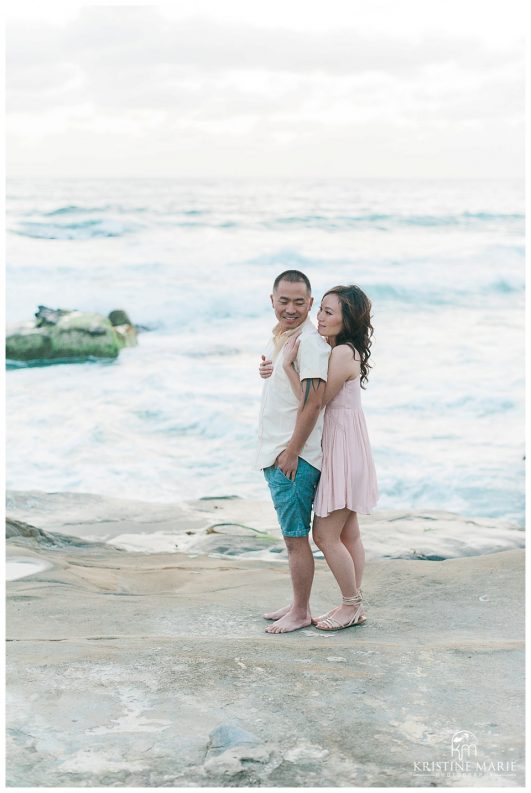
(384, 89)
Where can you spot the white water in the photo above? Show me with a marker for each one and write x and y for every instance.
(175, 417)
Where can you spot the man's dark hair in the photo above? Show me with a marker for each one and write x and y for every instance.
(293, 276)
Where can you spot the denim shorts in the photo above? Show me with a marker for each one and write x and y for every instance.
(293, 499)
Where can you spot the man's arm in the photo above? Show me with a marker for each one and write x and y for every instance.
(312, 392)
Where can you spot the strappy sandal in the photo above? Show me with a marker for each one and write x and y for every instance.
(328, 614)
(331, 624)
(315, 620)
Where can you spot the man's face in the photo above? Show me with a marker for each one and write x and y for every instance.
(291, 303)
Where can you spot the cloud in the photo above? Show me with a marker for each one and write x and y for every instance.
(139, 35)
(197, 82)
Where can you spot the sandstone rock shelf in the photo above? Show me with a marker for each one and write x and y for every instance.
(146, 668)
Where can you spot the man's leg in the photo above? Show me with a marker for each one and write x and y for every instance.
(293, 502)
(269, 474)
(301, 566)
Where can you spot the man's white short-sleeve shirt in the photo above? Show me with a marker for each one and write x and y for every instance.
(278, 409)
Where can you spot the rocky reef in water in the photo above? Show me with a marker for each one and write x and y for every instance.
(60, 334)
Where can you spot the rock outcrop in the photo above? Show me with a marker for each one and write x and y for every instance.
(58, 334)
(134, 669)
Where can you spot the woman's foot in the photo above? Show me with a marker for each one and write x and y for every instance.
(349, 613)
(315, 620)
(331, 613)
(341, 617)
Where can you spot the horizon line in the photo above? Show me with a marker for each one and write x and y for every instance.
(240, 178)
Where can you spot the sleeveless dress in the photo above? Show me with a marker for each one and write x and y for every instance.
(348, 475)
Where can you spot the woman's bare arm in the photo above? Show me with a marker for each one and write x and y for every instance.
(294, 381)
(289, 353)
(342, 366)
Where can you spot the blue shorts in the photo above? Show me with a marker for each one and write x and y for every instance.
(293, 499)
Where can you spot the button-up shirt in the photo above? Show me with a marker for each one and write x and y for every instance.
(279, 406)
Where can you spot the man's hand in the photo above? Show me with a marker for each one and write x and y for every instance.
(288, 463)
(266, 367)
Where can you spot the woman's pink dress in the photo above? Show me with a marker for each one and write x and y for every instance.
(348, 475)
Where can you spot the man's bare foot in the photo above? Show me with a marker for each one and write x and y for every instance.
(276, 615)
(291, 621)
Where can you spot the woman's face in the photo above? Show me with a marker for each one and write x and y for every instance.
(329, 317)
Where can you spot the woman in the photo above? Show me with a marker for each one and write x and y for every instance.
(348, 477)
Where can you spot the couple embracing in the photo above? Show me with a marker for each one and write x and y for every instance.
(313, 445)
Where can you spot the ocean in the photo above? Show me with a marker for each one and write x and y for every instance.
(193, 263)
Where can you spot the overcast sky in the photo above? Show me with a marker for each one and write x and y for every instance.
(367, 88)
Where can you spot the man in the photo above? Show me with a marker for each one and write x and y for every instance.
(289, 437)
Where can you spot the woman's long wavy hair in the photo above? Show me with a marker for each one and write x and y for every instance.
(357, 329)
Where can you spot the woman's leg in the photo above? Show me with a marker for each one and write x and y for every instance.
(351, 539)
(328, 536)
